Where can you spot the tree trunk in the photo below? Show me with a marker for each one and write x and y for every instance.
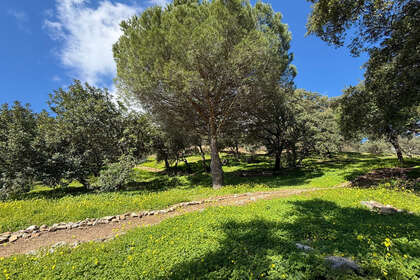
(203, 157)
(167, 166)
(216, 164)
(394, 141)
(277, 165)
(237, 151)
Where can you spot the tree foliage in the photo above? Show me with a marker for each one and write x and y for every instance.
(387, 104)
(18, 158)
(201, 58)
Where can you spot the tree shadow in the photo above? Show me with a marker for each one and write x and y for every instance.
(266, 249)
(55, 193)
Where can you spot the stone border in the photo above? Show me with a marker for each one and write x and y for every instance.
(35, 231)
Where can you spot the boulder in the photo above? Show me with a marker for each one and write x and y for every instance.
(303, 247)
(342, 264)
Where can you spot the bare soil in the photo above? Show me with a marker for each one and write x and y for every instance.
(380, 175)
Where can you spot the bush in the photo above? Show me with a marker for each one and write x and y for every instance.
(13, 187)
(116, 175)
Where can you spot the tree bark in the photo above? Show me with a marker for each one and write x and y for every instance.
(237, 151)
(216, 164)
(393, 139)
(277, 165)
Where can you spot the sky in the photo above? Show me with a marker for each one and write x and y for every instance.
(48, 43)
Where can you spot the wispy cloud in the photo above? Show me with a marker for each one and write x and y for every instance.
(21, 19)
(162, 3)
(85, 36)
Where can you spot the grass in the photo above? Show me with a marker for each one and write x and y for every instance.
(256, 241)
(156, 190)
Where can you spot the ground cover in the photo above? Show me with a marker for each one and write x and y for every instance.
(154, 190)
(256, 241)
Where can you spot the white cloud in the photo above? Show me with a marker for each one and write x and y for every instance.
(159, 2)
(86, 35)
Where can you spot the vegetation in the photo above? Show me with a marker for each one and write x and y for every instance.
(386, 104)
(219, 106)
(250, 242)
(197, 62)
(151, 190)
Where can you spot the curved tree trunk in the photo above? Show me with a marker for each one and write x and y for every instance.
(394, 141)
(216, 164)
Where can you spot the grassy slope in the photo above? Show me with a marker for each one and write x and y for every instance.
(256, 241)
(51, 206)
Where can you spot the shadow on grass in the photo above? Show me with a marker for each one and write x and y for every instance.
(262, 249)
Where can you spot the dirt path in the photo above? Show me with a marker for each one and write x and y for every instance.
(101, 232)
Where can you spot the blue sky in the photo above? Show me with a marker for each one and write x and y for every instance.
(48, 43)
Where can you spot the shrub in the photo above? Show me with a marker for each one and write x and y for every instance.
(13, 187)
(116, 175)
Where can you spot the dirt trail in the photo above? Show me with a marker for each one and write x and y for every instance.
(102, 232)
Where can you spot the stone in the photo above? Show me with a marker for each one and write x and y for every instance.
(26, 235)
(303, 247)
(52, 228)
(380, 208)
(342, 264)
(134, 215)
(151, 213)
(31, 229)
(122, 217)
(108, 218)
(61, 226)
(14, 237)
(4, 239)
(43, 228)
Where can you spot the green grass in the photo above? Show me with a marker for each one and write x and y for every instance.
(156, 190)
(256, 241)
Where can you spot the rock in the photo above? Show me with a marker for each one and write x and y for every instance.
(342, 264)
(14, 237)
(380, 208)
(31, 229)
(121, 217)
(108, 218)
(303, 247)
(151, 213)
(61, 226)
(52, 228)
(43, 228)
(4, 239)
(134, 215)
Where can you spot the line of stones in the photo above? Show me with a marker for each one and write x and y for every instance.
(35, 231)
